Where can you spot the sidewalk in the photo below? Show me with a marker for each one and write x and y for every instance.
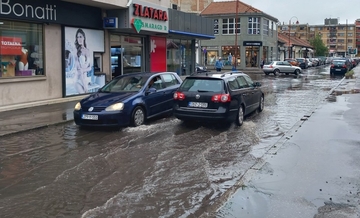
(22, 117)
(313, 170)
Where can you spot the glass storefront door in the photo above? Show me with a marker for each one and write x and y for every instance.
(126, 54)
(252, 57)
(179, 56)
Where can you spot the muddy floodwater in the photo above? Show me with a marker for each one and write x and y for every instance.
(161, 169)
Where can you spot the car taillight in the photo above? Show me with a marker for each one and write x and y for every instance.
(332, 66)
(271, 66)
(344, 66)
(179, 96)
(221, 98)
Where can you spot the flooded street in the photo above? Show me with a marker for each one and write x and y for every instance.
(162, 169)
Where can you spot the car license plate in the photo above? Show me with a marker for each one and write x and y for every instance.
(338, 69)
(198, 104)
(89, 117)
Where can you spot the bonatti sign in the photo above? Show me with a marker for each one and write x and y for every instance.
(54, 11)
(46, 12)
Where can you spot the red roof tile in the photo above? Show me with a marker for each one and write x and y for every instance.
(228, 7)
(284, 37)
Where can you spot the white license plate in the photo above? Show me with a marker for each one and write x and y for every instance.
(337, 69)
(198, 104)
(89, 117)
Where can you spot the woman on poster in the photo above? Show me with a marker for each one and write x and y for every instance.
(83, 62)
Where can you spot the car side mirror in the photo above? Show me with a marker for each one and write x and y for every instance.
(257, 84)
(150, 91)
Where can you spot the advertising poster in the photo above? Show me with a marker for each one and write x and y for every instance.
(79, 47)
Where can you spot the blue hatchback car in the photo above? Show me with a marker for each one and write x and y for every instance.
(128, 99)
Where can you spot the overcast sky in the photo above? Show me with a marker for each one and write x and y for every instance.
(312, 12)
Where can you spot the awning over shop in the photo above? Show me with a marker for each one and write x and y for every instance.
(197, 35)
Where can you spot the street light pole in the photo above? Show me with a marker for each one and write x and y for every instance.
(297, 22)
(236, 34)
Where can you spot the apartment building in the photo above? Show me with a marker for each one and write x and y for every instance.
(340, 39)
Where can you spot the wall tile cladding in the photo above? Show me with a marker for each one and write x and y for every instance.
(190, 22)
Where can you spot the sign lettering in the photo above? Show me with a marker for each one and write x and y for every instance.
(149, 12)
(47, 12)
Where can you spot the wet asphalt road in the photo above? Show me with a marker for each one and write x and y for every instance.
(162, 169)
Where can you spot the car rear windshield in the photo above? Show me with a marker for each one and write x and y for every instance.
(202, 85)
(338, 62)
(300, 60)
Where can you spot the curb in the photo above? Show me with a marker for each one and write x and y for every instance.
(40, 103)
(36, 127)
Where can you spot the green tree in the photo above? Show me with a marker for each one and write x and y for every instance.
(319, 46)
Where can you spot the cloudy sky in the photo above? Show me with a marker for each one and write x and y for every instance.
(312, 12)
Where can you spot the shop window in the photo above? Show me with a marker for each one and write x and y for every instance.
(21, 49)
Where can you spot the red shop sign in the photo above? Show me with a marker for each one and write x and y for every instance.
(10, 45)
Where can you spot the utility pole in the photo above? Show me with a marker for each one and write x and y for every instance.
(236, 34)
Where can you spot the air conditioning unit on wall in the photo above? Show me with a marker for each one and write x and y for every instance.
(175, 7)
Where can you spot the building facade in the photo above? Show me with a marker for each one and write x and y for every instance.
(65, 48)
(244, 35)
(340, 39)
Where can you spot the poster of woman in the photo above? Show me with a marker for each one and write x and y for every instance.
(79, 47)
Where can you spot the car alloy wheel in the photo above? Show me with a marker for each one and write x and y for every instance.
(138, 116)
(240, 116)
(276, 71)
(261, 104)
(297, 72)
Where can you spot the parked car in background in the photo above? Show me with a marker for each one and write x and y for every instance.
(310, 63)
(200, 68)
(292, 61)
(303, 63)
(222, 97)
(128, 99)
(277, 67)
(348, 62)
(339, 66)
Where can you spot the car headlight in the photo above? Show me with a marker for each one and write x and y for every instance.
(77, 106)
(115, 107)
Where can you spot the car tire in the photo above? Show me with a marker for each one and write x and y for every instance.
(261, 104)
(267, 73)
(276, 71)
(286, 73)
(297, 72)
(138, 116)
(240, 116)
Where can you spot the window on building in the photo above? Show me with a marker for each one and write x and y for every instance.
(272, 29)
(216, 26)
(341, 28)
(350, 34)
(312, 29)
(341, 40)
(228, 26)
(341, 34)
(266, 27)
(350, 40)
(351, 28)
(320, 28)
(254, 25)
(21, 50)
